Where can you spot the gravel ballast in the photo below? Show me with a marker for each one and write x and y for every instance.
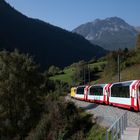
(106, 115)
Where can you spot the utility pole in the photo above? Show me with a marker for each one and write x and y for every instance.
(89, 73)
(119, 65)
(84, 75)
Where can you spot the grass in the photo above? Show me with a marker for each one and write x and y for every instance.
(96, 133)
(129, 73)
(68, 72)
(98, 64)
(66, 77)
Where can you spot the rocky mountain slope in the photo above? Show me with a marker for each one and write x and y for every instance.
(111, 33)
(137, 28)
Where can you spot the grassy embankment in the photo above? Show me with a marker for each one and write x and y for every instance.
(69, 71)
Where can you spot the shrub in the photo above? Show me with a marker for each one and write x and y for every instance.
(20, 84)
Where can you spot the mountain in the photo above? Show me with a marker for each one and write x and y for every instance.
(48, 44)
(137, 29)
(110, 33)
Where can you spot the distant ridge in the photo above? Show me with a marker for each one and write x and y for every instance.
(111, 33)
(137, 29)
(49, 45)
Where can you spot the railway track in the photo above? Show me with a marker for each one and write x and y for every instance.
(105, 115)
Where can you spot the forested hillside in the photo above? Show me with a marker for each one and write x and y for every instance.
(104, 70)
(48, 44)
(129, 65)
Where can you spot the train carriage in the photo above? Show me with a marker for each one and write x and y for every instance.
(122, 94)
(99, 93)
(81, 92)
(125, 94)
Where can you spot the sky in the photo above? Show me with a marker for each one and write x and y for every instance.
(68, 14)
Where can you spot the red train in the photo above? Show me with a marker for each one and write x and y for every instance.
(122, 94)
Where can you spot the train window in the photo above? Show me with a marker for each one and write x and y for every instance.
(96, 90)
(80, 90)
(120, 90)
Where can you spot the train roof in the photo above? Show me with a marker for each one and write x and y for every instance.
(125, 82)
(102, 85)
(81, 86)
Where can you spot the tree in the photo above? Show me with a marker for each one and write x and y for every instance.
(53, 70)
(61, 121)
(19, 93)
(80, 74)
(111, 66)
(138, 43)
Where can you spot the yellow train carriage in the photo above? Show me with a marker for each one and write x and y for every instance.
(73, 91)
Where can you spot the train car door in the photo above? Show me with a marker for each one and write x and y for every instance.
(86, 92)
(138, 97)
(135, 101)
(106, 93)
